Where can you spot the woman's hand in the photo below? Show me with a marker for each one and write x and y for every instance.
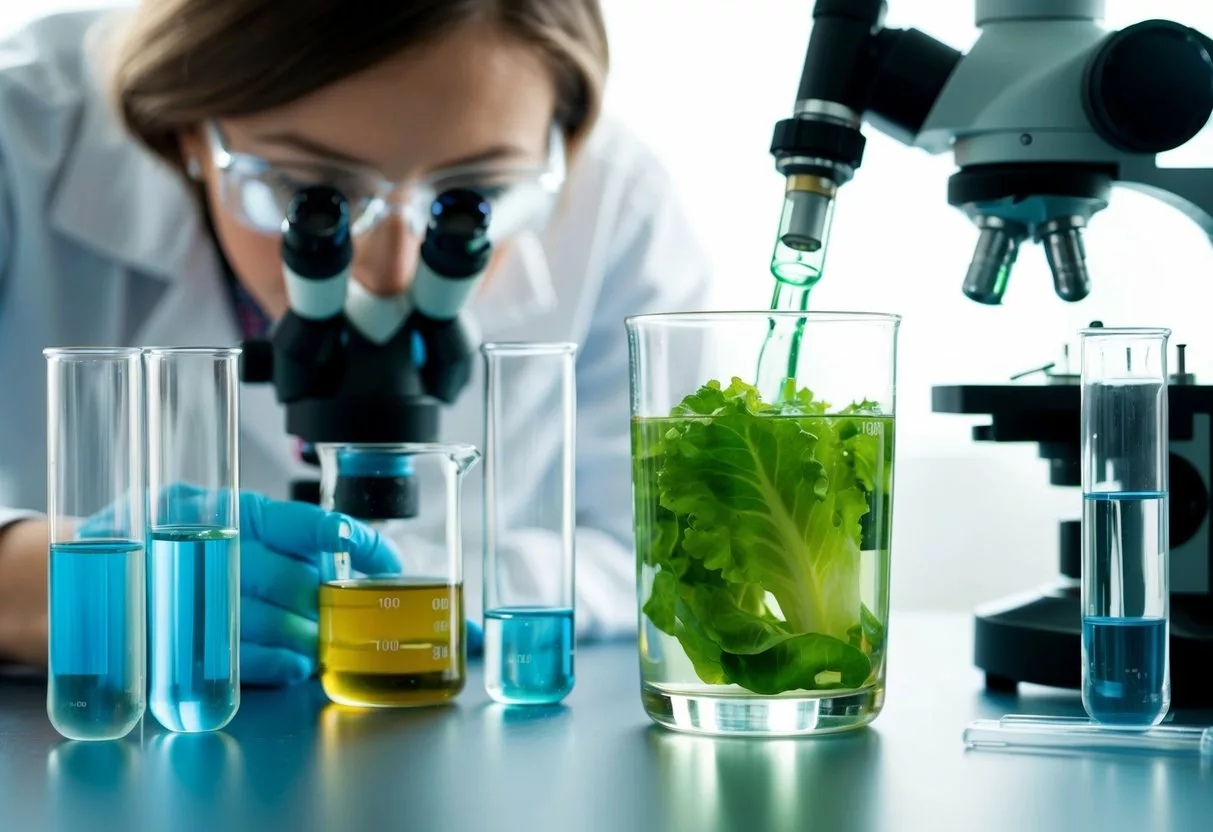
(281, 544)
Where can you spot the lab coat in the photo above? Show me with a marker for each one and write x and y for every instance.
(102, 244)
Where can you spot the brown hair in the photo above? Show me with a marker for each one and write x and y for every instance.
(182, 62)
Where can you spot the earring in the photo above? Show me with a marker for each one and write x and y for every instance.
(193, 168)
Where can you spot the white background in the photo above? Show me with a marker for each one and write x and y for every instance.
(704, 81)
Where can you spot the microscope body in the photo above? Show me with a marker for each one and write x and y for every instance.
(350, 367)
(1043, 115)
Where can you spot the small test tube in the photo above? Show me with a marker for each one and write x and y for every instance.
(1125, 592)
(194, 536)
(530, 520)
(804, 230)
(96, 590)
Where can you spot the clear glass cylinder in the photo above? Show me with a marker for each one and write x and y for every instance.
(96, 591)
(762, 529)
(1125, 590)
(530, 521)
(397, 638)
(804, 230)
(193, 428)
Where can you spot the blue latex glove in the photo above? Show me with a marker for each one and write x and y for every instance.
(281, 544)
(475, 638)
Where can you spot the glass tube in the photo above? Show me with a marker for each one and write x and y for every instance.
(804, 230)
(96, 592)
(194, 532)
(529, 522)
(1062, 734)
(1125, 654)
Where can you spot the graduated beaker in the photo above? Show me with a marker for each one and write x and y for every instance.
(397, 637)
(762, 519)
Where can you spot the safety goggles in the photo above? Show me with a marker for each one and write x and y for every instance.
(258, 192)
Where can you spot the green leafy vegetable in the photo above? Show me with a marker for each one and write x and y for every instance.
(752, 516)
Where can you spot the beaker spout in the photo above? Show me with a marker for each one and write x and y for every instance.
(465, 458)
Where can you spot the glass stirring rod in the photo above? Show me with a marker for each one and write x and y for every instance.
(1073, 735)
(781, 350)
(797, 264)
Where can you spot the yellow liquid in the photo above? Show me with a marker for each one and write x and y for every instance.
(391, 643)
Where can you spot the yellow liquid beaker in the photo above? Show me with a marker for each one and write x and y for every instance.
(391, 642)
(395, 637)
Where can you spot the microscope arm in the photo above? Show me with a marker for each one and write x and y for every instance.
(1189, 190)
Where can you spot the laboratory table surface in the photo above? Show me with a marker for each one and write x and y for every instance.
(290, 761)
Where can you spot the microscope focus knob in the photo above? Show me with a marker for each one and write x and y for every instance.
(1149, 87)
(257, 362)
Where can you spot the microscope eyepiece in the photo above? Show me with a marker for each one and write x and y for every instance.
(316, 241)
(454, 258)
(460, 212)
(457, 242)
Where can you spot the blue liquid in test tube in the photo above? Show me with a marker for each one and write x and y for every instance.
(1125, 591)
(194, 572)
(194, 534)
(96, 587)
(528, 654)
(529, 523)
(95, 683)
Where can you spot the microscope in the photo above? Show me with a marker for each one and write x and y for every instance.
(352, 367)
(1045, 113)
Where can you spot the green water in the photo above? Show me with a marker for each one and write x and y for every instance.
(857, 591)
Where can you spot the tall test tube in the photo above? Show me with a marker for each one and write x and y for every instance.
(530, 520)
(96, 591)
(1125, 593)
(194, 533)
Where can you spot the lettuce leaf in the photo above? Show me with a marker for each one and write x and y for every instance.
(757, 528)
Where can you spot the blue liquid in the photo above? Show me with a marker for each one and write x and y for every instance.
(1126, 678)
(528, 655)
(96, 684)
(195, 593)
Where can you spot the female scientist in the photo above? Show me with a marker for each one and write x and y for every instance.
(144, 158)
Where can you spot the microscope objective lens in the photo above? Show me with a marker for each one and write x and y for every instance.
(800, 242)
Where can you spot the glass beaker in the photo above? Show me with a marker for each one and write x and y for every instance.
(397, 638)
(1125, 546)
(763, 519)
(96, 686)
